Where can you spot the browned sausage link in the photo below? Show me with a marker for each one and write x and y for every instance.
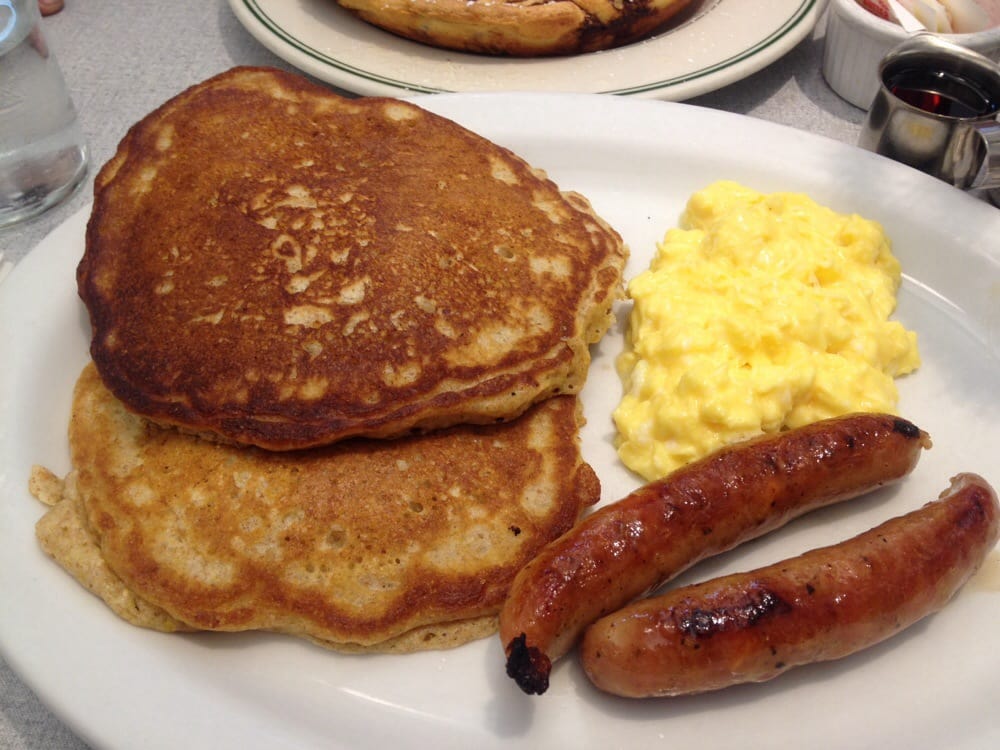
(823, 605)
(629, 547)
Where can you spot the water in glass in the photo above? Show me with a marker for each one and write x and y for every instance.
(42, 154)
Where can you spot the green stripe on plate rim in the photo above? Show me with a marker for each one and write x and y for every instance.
(791, 23)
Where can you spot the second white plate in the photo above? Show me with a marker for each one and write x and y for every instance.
(722, 42)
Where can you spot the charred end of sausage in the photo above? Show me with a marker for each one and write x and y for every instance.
(909, 430)
(528, 666)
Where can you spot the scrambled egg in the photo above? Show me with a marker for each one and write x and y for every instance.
(762, 312)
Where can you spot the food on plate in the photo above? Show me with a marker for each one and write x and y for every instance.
(943, 16)
(627, 548)
(268, 263)
(64, 535)
(879, 8)
(365, 545)
(762, 312)
(275, 276)
(521, 28)
(823, 605)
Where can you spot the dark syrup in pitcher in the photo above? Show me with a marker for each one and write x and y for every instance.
(942, 93)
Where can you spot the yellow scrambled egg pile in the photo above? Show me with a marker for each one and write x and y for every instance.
(762, 312)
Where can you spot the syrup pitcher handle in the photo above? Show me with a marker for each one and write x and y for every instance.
(988, 175)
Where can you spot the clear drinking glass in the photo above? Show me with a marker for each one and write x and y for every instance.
(43, 157)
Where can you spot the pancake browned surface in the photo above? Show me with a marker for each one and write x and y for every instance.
(280, 266)
(522, 28)
(402, 544)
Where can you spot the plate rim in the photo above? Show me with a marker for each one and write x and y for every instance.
(778, 42)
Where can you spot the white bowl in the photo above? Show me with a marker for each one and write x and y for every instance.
(856, 42)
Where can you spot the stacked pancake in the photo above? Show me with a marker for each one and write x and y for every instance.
(336, 347)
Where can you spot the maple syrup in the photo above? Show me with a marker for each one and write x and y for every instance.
(942, 93)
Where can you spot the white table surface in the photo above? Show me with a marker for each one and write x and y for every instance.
(122, 59)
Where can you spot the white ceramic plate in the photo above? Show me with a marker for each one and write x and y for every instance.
(934, 686)
(721, 42)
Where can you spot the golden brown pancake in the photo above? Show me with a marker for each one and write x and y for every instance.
(275, 265)
(385, 545)
(63, 534)
(520, 28)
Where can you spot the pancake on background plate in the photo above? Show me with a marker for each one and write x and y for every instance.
(365, 545)
(272, 264)
(520, 28)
